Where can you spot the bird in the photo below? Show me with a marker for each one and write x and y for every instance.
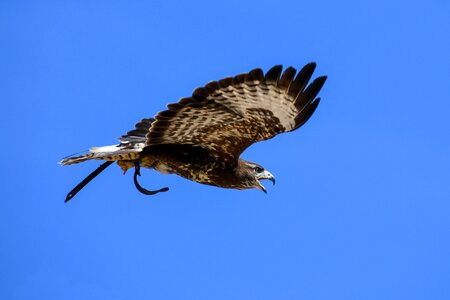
(201, 137)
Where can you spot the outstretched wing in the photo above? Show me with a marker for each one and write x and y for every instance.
(227, 116)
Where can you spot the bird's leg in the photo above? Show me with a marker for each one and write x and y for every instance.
(137, 172)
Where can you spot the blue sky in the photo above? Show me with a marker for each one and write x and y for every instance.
(361, 206)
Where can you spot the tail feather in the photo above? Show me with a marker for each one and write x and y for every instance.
(130, 145)
(109, 153)
(76, 159)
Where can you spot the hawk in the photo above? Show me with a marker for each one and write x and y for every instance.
(202, 136)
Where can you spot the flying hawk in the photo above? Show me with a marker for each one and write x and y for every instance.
(201, 137)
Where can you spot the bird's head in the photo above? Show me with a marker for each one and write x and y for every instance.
(252, 173)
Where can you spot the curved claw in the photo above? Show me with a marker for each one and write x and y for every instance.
(137, 172)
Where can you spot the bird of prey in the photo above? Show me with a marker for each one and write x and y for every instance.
(202, 136)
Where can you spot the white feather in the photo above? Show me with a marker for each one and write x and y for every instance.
(111, 148)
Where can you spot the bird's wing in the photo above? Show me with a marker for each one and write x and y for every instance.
(227, 116)
(138, 134)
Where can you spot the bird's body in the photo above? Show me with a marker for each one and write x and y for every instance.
(193, 163)
(201, 137)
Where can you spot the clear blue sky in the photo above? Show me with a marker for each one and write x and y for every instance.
(362, 202)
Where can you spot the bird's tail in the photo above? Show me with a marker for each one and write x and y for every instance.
(109, 153)
(75, 159)
(130, 145)
(121, 152)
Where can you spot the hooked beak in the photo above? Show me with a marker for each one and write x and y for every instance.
(264, 175)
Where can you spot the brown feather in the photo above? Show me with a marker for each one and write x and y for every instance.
(274, 73)
(228, 115)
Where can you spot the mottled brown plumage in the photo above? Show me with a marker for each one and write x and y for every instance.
(201, 137)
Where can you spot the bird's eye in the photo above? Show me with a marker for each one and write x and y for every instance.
(258, 169)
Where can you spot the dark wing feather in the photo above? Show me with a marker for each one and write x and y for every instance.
(227, 116)
(138, 135)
